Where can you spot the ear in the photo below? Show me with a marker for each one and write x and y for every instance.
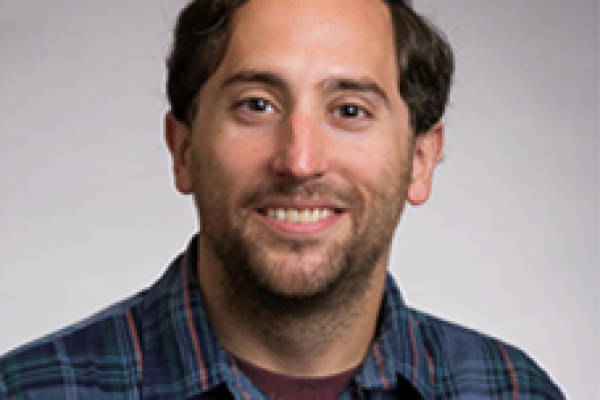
(178, 137)
(427, 152)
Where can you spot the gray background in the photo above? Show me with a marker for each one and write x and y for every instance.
(507, 245)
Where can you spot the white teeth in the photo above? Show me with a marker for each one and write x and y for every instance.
(304, 215)
(316, 215)
(281, 214)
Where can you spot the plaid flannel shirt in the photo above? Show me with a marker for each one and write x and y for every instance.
(160, 344)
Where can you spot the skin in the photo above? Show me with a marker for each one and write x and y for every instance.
(310, 120)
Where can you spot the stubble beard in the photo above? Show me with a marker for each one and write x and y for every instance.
(256, 288)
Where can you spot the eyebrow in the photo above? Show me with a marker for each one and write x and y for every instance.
(360, 85)
(267, 78)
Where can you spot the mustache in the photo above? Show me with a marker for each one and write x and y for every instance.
(301, 191)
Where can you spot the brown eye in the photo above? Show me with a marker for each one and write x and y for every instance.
(257, 105)
(351, 111)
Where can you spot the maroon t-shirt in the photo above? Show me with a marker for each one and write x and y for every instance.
(283, 387)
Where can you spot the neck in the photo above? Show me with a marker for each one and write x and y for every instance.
(317, 336)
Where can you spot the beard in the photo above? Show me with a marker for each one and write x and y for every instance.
(257, 285)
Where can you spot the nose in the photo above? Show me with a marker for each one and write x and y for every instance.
(300, 153)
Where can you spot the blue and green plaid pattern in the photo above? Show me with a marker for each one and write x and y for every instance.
(159, 344)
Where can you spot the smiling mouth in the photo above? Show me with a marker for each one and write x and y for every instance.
(299, 215)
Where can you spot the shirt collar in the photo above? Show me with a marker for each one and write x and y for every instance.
(398, 351)
(174, 312)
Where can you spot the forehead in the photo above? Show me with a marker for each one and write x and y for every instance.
(317, 37)
(276, 14)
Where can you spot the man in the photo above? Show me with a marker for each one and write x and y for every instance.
(301, 128)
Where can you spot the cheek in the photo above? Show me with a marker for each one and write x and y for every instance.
(370, 162)
(382, 174)
(239, 152)
(240, 160)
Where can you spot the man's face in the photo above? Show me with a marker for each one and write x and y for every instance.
(300, 155)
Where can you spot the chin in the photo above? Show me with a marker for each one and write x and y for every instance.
(299, 275)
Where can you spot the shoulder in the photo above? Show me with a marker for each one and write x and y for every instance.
(469, 361)
(97, 353)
